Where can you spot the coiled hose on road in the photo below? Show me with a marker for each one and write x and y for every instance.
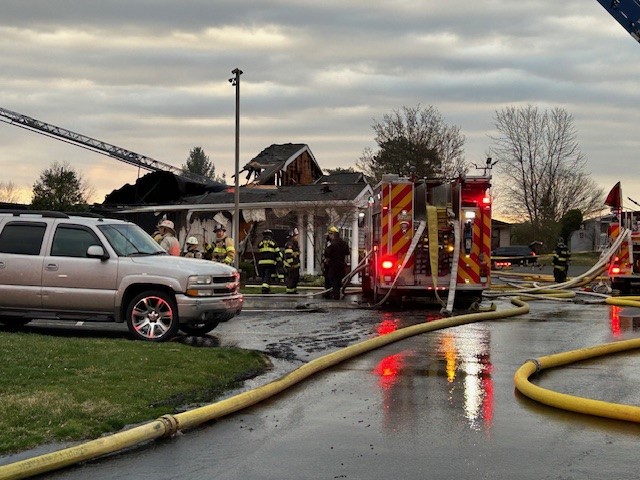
(533, 366)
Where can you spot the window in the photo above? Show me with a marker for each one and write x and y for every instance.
(72, 241)
(23, 238)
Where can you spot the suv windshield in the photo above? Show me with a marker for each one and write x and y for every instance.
(128, 239)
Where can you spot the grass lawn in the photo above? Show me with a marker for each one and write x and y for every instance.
(577, 258)
(55, 389)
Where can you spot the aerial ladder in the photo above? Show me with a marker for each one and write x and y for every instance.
(98, 146)
(627, 13)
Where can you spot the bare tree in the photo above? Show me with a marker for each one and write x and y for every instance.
(9, 192)
(415, 140)
(542, 166)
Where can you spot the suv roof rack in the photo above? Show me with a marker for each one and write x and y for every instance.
(43, 213)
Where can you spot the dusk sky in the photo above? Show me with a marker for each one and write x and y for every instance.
(152, 77)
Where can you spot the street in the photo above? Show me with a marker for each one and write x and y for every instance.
(437, 405)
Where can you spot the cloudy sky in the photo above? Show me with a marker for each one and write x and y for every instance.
(152, 76)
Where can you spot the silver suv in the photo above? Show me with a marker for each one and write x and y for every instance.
(54, 265)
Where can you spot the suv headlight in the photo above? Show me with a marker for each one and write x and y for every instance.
(196, 280)
(200, 286)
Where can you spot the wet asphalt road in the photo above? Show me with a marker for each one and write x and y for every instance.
(438, 405)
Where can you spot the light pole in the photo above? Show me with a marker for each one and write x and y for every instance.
(235, 81)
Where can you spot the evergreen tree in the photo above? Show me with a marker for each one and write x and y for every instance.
(61, 188)
(199, 164)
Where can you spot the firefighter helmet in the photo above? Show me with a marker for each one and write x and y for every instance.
(292, 233)
(332, 229)
(167, 224)
(219, 227)
(192, 241)
(267, 232)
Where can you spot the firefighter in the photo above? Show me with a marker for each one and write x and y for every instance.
(192, 248)
(168, 239)
(223, 249)
(292, 261)
(334, 264)
(560, 261)
(268, 253)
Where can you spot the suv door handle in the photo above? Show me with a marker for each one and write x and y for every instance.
(51, 267)
(2, 265)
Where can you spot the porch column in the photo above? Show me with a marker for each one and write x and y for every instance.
(309, 250)
(355, 241)
(301, 241)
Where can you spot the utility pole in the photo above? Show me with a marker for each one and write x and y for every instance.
(235, 81)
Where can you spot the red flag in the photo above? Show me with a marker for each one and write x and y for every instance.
(614, 199)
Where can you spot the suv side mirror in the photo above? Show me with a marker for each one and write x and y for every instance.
(96, 251)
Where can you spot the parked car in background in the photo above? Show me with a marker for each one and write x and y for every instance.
(505, 257)
(58, 266)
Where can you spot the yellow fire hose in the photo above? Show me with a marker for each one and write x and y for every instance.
(617, 411)
(168, 425)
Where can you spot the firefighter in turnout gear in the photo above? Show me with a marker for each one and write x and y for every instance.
(192, 248)
(560, 261)
(223, 249)
(268, 254)
(292, 261)
(168, 239)
(334, 263)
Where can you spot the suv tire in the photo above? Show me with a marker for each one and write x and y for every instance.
(152, 316)
(13, 322)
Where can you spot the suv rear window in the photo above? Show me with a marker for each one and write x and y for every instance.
(22, 238)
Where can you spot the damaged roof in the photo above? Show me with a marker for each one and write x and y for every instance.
(294, 194)
(342, 177)
(275, 158)
(157, 188)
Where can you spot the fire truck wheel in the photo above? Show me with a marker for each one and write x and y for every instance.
(367, 289)
(623, 286)
(467, 302)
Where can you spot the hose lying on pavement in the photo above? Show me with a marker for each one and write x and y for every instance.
(617, 411)
(168, 425)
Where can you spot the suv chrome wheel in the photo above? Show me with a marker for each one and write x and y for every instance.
(152, 316)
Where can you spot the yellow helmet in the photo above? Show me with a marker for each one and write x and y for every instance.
(332, 229)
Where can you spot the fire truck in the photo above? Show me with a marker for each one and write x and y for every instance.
(428, 239)
(624, 266)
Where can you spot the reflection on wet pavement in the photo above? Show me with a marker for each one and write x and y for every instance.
(460, 356)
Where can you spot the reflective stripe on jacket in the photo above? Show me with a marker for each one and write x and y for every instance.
(268, 251)
(224, 251)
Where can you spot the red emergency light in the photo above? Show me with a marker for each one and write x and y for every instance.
(615, 266)
(387, 264)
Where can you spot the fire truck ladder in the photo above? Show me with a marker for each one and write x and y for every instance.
(94, 145)
(627, 13)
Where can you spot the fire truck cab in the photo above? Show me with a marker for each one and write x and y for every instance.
(429, 239)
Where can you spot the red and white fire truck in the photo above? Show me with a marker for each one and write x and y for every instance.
(429, 239)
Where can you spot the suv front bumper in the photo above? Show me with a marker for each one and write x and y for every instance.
(191, 309)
